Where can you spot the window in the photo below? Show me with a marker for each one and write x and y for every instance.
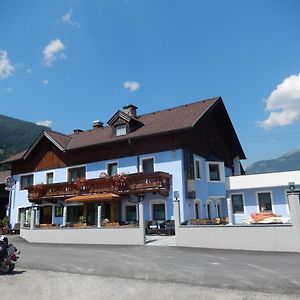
(148, 165)
(264, 201)
(198, 169)
(237, 203)
(219, 210)
(214, 172)
(159, 212)
(131, 213)
(112, 169)
(120, 129)
(59, 211)
(74, 213)
(208, 207)
(49, 178)
(75, 173)
(197, 206)
(26, 181)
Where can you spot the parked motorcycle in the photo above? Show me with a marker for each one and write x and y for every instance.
(8, 255)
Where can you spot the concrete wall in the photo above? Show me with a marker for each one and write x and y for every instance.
(101, 235)
(250, 237)
(104, 236)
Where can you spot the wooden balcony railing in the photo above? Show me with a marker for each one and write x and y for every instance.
(120, 184)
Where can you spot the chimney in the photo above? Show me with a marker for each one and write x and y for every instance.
(97, 124)
(77, 131)
(130, 110)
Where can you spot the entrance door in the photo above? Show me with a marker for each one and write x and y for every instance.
(105, 211)
(46, 215)
(91, 213)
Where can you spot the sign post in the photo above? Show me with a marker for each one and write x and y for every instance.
(9, 183)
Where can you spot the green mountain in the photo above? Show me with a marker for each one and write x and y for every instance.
(287, 162)
(16, 135)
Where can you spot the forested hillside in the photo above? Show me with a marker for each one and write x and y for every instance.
(16, 135)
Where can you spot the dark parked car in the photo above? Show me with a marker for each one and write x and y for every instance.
(161, 227)
(167, 227)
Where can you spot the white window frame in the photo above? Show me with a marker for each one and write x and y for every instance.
(23, 175)
(257, 201)
(47, 174)
(197, 201)
(145, 158)
(125, 204)
(110, 163)
(158, 202)
(238, 213)
(221, 171)
(123, 129)
(74, 167)
(198, 161)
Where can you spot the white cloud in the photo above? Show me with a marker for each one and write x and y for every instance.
(46, 123)
(67, 18)
(45, 82)
(53, 50)
(132, 86)
(6, 68)
(283, 104)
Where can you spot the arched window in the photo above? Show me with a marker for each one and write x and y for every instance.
(197, 209)
(219, 209)
(209, 209)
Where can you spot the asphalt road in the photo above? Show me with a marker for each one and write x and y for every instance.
(135, 272)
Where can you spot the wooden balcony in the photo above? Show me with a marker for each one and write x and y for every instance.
(138, 183)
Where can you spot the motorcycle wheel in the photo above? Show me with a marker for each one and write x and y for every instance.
(7, 269)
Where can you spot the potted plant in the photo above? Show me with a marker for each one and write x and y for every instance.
(82, 222)
(4, 223)
(82, 219)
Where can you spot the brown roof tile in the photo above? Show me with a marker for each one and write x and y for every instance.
(60, 138)
(168, 120)
(173, 119)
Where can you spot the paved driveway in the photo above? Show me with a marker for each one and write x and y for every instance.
(170, 270)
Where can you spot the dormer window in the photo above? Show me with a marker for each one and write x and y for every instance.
(124, 122)
(121, 129)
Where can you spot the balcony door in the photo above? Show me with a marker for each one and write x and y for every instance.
(46, 215)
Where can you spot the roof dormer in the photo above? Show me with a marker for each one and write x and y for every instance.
(126, 121)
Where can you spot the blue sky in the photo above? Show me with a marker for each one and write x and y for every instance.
(68, 63)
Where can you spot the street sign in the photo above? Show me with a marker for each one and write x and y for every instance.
(9, 188)
(10, 182)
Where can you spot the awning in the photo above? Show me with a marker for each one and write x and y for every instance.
(93, 198)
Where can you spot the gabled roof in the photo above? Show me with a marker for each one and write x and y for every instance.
(123, 115)
(161, 122)
(58, 139)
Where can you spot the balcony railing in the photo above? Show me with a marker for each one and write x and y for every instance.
(120, 184)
